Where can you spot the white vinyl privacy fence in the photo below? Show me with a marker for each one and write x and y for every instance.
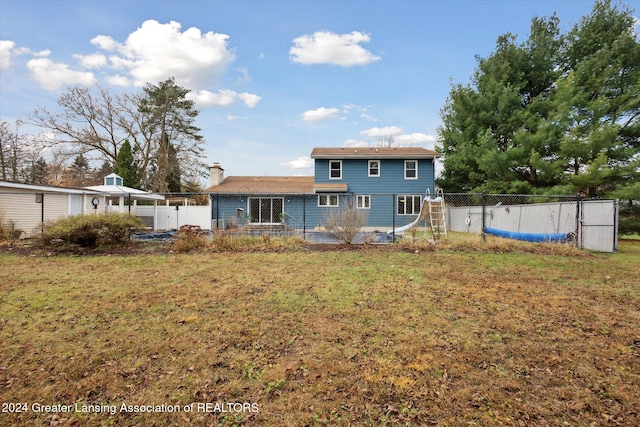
(171, 217)
(590, 224)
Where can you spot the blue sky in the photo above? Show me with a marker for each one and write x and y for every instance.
(272, 79)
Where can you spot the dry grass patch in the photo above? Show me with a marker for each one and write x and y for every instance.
(373, 337)
(473, 242)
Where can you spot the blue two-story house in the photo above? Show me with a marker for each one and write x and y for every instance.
(385, 183)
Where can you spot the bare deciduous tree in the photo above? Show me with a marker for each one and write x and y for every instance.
(346, 221)
(98, 122)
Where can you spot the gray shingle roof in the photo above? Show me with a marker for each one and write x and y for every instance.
(264, 185)
(373, 153)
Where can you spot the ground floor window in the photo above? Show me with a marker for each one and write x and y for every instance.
(408, 204)
(330, 200)
(363, 202)
(266, 210)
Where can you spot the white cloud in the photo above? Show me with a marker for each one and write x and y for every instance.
(369, 118)
(324, 47)
(155, 52)
(206, 98)
(94, 60)
(414, 139)
(303, 162)
(250, 99)
(223, 98)
(52, 76)
(40, 54)
(8, 50)
(355, 143)
(104, 42)
(119, 80)
(320, 114)
(377, 132)
(244, 75)
(5, 54)
(233, 118)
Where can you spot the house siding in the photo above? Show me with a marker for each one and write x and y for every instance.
(355, 173)
(20, 206)
(303, 209)
(384, 188)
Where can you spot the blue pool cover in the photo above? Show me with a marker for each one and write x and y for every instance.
(530, 237)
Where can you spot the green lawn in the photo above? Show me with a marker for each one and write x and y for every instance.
(375, 336)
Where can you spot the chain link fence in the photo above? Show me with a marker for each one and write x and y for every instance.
(589, 224)
(380, 218)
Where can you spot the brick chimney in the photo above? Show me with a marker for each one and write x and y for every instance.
(217, 174)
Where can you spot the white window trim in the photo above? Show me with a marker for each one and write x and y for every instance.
(369, 168)
(405, 169)
(363, 197)
(328, 199)
(333, 161)
(260, 214)
(414, 196)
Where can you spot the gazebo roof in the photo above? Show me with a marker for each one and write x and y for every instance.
(113, 186)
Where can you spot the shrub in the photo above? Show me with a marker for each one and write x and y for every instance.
(190, 237)
(8, 229)
(92, 230)
(345, 222)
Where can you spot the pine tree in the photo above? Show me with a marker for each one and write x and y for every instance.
(39, 172)
(78, 172)
(126, 166)
(553, 114)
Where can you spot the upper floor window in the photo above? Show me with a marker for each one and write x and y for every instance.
(374, 167)
(410, 169)
(335, 169)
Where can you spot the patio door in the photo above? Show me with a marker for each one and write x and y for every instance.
(266, 210)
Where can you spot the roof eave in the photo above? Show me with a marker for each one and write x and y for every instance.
(376, 156)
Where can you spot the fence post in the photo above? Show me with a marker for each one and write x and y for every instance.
(304, 217)
(42, 214)
(615, 224)
(217, 211)
(484, 205)
(393, 216)
(578, 227)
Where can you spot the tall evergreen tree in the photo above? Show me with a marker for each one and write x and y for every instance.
(169, 119)
(127, 166)
(78, 172)
(39, 172)
(553, 114)
(173, 170)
